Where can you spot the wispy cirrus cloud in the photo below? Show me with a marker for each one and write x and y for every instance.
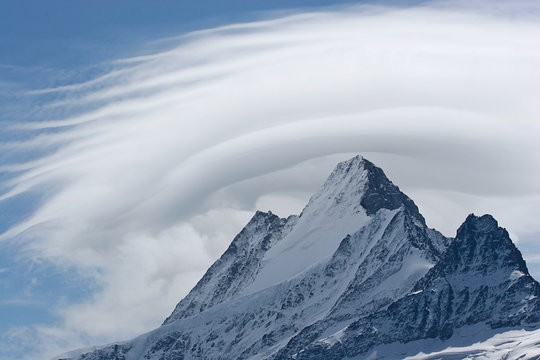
(158, 163)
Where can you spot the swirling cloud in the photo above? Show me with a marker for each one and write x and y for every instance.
(150, 169)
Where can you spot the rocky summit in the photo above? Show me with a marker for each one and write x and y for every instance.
(357, 275)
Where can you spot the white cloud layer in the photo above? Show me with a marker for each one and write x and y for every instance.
(159, 163)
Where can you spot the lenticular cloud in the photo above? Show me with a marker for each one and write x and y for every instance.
(154, 166)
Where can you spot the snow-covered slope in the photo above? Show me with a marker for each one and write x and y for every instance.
(237, 266)
(480, 279)
(478, 342)
(358, 270)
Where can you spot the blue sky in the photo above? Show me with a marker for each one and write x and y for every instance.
(65, 34)
(147, 171)
(59, 42)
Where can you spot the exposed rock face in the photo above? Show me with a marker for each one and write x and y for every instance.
(357, 269)
(236, 267)
(481, 278)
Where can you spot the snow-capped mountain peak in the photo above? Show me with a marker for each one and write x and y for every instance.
(474, 283)
(349, 199)
(358, 185)
(358, 270)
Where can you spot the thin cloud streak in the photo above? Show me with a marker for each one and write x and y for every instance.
(160, 162)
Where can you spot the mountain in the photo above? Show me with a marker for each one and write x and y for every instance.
(357, 274)
(481, 278)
